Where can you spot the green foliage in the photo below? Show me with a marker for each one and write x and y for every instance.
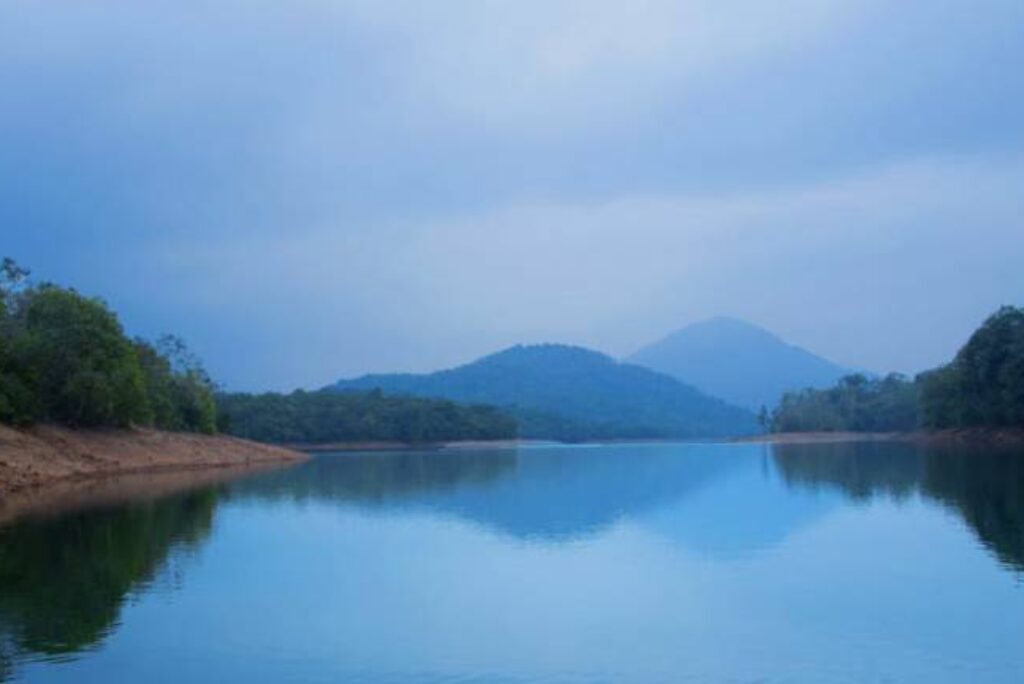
(82, 367)
(325, 417)
(856, 404)
(17, 403)
(984, 385)
(193, 391)
(181, 394)
(64, 358)
(940, 397)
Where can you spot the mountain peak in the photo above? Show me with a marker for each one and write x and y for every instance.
(737, 361)
(726, 327)
(543, 351)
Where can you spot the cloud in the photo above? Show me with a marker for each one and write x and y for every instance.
(512, 64)
(320, 187)
(921, 249)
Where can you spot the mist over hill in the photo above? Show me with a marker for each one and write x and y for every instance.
(564, 392)
(738, 362)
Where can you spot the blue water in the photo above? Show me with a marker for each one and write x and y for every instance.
(621, 563)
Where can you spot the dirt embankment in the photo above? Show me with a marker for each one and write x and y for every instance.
(45, 455)
(109, 490)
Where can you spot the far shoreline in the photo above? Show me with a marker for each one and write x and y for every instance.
(412, 446)
(38, 463)
(960, 436)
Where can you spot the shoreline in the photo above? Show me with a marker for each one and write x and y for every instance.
(97, 491)
(821, 437)
(961, 436)
(411, 446)
(47, 458)
(42, 456)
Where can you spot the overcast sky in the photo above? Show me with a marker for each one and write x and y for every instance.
(307, 189)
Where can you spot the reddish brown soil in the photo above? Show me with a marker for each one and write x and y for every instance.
(44, 455)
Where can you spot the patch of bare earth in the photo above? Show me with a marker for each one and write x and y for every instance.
(44, 455)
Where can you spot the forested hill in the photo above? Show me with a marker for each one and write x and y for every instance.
(982, 387)
(738, 362)
(564, 392)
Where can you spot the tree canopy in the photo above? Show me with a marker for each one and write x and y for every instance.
(65, 358)
(983, 386)
(856, 404)
(324, 417)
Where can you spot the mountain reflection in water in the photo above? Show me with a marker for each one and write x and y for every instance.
(65, 579)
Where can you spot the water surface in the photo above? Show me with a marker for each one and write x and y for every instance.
(624, 563)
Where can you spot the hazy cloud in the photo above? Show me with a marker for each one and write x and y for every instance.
(320, 187)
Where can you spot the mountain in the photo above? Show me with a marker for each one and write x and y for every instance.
(738, 362)
(563, 392)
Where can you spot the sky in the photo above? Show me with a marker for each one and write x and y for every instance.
(312, 189)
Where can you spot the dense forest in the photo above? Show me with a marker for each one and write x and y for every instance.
(856, 404)
(983, 386)
(65, 359)
(324, 417)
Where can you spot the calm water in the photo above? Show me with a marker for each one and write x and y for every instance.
(625, 563)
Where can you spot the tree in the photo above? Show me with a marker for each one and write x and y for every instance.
(857, 404)
(83, 369)
(158, 378)
(65, 358)
(14, 279)
(180, 392)
(984, 385)
(17, 403)
(193, 392)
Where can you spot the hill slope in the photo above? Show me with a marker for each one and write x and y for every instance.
(738, 362)
(563, 392)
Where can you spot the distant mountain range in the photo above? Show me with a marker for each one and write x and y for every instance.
(738, 362)
(564, 392)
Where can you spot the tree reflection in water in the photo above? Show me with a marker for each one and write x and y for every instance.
(65, 579)
(984, 485)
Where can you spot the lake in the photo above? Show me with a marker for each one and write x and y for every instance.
(648, 563)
